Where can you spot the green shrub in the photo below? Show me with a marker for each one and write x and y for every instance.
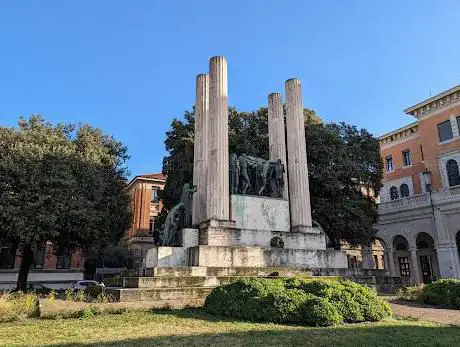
(316, 311)
(313, 302)
(355, 302)
(412, 293)
(116, 281)
(445, 293)
(69, 294)
(18, 306)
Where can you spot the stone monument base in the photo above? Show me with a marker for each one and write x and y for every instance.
(231, 247)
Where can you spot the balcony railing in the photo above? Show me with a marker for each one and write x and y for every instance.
(420, 200)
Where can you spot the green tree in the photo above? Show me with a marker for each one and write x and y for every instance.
(343, 162)
(60, 183)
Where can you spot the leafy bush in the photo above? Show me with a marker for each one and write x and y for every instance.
(445, 293)
(69, 294)
(412, 293)
(18, 306)
(313, 302)
(116, 281)
(316, 311)
(355, 302)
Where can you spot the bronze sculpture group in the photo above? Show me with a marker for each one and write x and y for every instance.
(256, 176)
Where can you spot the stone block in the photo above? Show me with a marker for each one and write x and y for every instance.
(260, 213)
(238, 256)
(262, 238)
(189, 237)
(166, 256)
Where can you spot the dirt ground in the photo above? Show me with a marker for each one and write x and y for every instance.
(426, 313)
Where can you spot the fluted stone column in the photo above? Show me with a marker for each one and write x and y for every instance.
(200, 148)
(276, 134)
(299, 192)
(218, 205)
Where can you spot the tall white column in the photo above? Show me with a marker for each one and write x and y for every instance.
(299, 191)
(200, 148)
(415, 269)
(391, 262)
(277, 135)
(218, 195)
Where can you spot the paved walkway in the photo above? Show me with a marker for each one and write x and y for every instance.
(426, 313)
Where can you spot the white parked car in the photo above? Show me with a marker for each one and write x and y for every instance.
(82, 285)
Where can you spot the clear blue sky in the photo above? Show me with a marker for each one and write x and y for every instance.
(129, 66)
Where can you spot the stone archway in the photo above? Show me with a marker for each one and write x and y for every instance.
(427, 258)
(402, 259)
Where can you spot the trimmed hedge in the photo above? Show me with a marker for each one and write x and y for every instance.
(445, 293)
(308, 301)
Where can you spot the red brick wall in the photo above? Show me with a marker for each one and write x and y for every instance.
(427, 136)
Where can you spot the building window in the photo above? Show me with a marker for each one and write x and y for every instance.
(445, 131)
(452, 173)
(154, 196)
(153, 221)
(404, 266)
(406, 158)
(63, 261)
(7, 257)
(352, 261)
(404, 188)
(389, 163)
(394, 195)
(376, 261)
(39, 259)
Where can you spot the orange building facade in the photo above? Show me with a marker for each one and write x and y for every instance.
(419, 210)
(146, 206)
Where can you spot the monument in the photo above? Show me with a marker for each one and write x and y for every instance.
(246, 212)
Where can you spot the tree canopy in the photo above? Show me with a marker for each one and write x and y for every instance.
(60, 183)
(344, 163)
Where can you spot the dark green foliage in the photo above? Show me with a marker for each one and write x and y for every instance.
(60, 183)
(445, 293)
(355, 302)
(312, 302)
(341, 161)
(317, 311)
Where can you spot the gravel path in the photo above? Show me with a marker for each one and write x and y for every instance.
(426, 313)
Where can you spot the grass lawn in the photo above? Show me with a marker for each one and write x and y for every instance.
(192, 327)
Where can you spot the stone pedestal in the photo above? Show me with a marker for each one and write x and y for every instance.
(299, 192)
(217, 206)
(200, 159)
(277, 135)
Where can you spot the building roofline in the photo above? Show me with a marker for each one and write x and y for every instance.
(393, 132)
(410, 110)
(143, 178)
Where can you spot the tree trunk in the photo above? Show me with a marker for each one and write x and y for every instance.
(27, 257)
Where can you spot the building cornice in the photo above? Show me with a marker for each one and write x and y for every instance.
(435, 103)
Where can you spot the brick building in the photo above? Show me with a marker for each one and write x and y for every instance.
(419, 210)
(146, 206)
(53, 271)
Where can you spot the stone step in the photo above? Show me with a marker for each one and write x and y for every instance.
(165, 297)
(173, 282)
(229, 271)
